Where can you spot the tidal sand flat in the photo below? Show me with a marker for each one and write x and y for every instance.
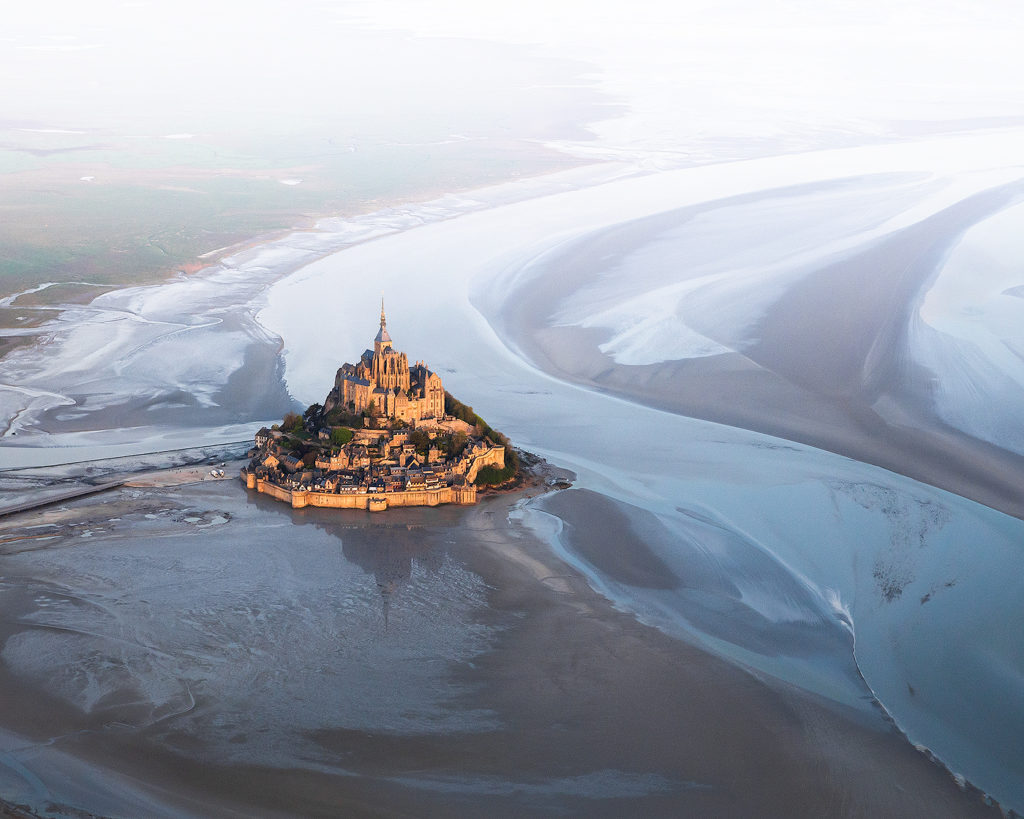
(428, 662)
(748, 312)
(900, 570)
(852, 588)
(144, 369)
(774, 331)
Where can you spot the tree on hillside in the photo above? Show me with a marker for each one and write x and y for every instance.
(452, 445)
(421, 440)
(341, 436)
(292, 422)
(312, 414)
(454, 407)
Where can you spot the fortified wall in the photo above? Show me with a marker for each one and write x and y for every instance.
(495, 456)
(370, 501)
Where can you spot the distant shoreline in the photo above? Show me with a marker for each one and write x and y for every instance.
(272, 260)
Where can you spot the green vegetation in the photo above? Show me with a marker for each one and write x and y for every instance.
(452, 445)
(292, 423)
(338, 417)
(341, 436)
(311, 417)
(455, 407)
(489, 475)
(492, 476)
(421, 440)
(115, 211)
(464, 412)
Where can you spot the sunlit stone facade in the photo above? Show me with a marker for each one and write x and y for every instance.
(384, 383)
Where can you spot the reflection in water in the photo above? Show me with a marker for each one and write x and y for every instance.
(243, 642)
(387, 546)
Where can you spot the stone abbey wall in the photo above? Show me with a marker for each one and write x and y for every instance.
(383, 377)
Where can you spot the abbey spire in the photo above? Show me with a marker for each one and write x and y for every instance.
(383, 340)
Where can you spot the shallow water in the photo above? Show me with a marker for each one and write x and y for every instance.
(812, 543)
(244, 627)
(969, 331)
(793, 561)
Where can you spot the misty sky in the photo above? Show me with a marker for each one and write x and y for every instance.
(691, 73)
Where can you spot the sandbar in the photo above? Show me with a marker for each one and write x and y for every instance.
(829, 367)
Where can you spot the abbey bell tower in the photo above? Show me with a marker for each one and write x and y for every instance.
(383, 340)
(383, 378)
(390, 368)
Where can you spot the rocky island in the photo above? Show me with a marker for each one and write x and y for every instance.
(387, 434)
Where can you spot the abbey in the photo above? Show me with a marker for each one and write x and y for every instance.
(387, 435)
(384, 384)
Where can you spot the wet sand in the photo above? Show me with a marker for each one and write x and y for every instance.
(828, 368)
(865, 545)
(538, 697)
(570, 707)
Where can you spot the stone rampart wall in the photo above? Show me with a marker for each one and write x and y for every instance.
(374, 501)
(495, 456)
(273, 490)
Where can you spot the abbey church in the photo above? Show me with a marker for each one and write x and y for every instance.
(384, 384)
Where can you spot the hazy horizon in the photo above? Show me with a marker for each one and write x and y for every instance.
(681, 76)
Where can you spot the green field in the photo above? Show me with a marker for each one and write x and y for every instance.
(153, 206)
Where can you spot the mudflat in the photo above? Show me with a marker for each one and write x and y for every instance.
(828, 364)
(427, 662)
